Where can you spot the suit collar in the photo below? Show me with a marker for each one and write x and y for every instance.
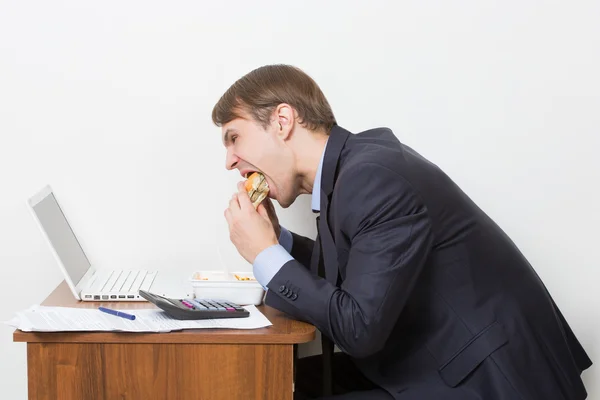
(335, 144)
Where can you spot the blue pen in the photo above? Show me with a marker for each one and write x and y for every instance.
(117, 313)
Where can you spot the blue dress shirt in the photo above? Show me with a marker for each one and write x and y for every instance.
(270, 260)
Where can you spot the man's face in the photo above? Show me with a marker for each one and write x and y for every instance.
(250, 147)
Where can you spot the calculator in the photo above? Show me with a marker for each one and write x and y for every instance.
(195, 308)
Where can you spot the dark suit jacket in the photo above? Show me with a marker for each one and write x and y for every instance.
(423, 290)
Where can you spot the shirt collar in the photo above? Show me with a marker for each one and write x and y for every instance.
(316, 192)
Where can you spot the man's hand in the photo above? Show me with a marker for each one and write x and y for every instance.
(250, 230)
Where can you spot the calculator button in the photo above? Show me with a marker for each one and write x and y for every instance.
(230, 309)
(198, 305)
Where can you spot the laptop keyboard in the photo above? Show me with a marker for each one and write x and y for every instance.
(148, 280)
(126, 281)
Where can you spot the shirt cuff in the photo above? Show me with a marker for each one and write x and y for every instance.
(286, 239)
(269, 262)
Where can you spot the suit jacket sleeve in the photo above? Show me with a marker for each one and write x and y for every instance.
(302, 248)
(389, 230)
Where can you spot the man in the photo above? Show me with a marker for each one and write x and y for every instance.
(422, 292)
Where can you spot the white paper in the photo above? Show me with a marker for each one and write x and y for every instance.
(63, 319)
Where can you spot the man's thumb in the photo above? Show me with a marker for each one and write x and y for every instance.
(263, 212)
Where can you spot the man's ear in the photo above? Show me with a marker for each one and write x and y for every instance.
(284, 120)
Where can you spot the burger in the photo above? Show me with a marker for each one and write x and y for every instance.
(257, 187)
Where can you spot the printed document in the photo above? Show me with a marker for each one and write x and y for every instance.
(63, 319)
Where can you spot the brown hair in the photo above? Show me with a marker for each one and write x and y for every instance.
(260, 91)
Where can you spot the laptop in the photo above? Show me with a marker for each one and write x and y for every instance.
(86, 282)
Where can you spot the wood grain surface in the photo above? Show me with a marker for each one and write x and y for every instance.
(77, 371)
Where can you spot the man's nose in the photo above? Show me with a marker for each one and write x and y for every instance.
(231, 160)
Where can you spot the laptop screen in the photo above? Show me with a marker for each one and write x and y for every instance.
(62, 237)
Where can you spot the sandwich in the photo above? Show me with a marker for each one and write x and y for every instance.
(257, 187)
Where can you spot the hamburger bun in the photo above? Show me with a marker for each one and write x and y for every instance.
(257, 187)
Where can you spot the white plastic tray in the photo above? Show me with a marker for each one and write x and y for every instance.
(226, 286)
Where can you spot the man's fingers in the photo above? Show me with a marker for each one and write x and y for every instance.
(228, 216)
(234, 205)
(243, 197)
(263, 211)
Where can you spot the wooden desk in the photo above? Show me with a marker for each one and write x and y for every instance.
(209, 364)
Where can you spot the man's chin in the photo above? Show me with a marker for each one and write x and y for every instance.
(283, 202)
(286, 202)
(274, 198)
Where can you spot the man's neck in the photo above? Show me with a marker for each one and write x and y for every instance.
(308, 157)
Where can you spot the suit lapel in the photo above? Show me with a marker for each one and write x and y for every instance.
(335, 144)
(328, 244)
(316, 253)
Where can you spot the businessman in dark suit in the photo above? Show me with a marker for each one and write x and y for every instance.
(425, 296)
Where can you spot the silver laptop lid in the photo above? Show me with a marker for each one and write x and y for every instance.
(61, 237)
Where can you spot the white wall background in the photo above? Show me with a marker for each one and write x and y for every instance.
(110, 103)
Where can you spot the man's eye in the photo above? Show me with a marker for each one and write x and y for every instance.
(233, 139)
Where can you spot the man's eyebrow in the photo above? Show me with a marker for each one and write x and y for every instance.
(226, 138)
